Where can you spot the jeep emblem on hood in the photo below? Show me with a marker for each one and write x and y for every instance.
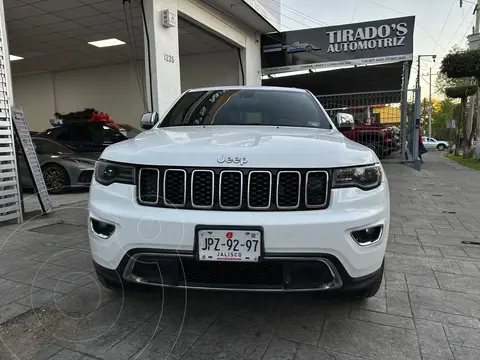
(235, 160)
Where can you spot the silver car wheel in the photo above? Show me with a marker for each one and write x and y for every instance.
(54, 179)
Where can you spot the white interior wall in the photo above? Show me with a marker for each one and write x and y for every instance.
(215, 69)
(112, 89)
(34, 93)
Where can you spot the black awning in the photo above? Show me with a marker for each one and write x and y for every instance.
(378, 78)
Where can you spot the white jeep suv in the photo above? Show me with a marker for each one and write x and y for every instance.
(240, 188)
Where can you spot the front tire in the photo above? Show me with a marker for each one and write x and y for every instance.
(56, 178)
(441, 147)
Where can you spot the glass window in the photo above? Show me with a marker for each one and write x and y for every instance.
(104, 133)
(53, 133)
(129, 131)
(247, 107)
(44, 146)
(82, 132)
(62, 134)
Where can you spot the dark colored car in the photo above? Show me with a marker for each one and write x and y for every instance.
(91, 137)
(62, 168)
(128, 130)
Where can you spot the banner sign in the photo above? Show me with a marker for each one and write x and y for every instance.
(371, 42)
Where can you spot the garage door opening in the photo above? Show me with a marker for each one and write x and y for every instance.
(60, 72)
(206, 59)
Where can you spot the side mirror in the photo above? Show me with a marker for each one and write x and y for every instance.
(345, 121)
(149, 120)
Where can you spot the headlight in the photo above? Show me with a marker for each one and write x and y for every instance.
(365, 177)
(107, 173)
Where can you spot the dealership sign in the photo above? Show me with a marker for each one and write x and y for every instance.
(372, 42)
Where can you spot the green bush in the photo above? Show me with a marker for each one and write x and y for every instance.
(462, 64)
(461, 92)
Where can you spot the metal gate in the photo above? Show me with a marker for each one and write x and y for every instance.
(383, 121)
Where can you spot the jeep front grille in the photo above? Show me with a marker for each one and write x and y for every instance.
(233, 189)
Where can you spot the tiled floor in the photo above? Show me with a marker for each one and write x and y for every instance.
(31, 203)
(428, 307)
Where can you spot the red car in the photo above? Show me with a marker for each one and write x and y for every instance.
(375, 137)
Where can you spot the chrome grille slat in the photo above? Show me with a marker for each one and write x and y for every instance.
(293, 192)
(257, 195)
(203, 184)
(222, 192)
(172, 187)
(227, 189)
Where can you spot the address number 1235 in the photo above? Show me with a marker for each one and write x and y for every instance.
(168, 58)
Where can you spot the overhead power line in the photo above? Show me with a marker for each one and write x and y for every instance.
(404, 14)
(286, 16)
(355, 9)
(444, 24)
(302, 14)
(469, 28)
(459, 27)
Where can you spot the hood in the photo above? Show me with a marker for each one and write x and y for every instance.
(250, 146)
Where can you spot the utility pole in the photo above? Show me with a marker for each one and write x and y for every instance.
(430, 104)
(477, 29)
(419, 94)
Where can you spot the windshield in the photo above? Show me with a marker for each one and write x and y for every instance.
(45, 146)
(129, 131)
(247, 107)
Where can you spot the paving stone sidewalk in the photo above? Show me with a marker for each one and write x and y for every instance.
(428, 307)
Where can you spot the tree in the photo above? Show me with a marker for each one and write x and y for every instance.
(462, 92)
(444, 81)
(460, 65)
(444, 110)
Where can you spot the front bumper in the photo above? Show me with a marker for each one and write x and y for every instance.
(294, 273)
(315, 234)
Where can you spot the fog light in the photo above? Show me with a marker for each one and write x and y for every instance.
(368, 236)
(101, 229)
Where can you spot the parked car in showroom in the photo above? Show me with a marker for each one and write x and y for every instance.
(86, 137)
(240, 188)
(432, 143)
(128, 130)
(62, 168)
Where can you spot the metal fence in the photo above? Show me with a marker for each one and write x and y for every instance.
(382, 121)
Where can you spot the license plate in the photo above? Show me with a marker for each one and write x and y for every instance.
(229, 245)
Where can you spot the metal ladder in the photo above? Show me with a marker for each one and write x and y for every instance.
(31, 158)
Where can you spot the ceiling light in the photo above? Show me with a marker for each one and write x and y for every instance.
(106, 42)
(15, 57)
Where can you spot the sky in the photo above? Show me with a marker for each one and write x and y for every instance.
(440, 24)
